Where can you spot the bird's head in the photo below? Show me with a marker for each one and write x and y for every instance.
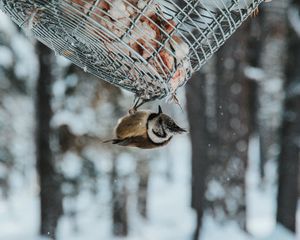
(161, 127)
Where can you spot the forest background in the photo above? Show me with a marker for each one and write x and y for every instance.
(234, 176)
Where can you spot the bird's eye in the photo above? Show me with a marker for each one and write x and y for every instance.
(160, 121)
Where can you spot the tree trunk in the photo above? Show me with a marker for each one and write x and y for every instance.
(228, 170)
(288, 169)
(196, 108)
(143, 172)
(50, 194)
(119, 202)
(272, 62)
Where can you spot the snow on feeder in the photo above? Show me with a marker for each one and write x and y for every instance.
(149, 47)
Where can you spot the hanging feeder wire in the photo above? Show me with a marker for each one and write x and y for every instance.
(149, 47)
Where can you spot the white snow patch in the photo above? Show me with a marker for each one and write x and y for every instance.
(294, 19)
(71, 165)
(280, 233)
(7, 25)
(6, 57)
(214, 231)
(254, 73)
(27, 63)
(260, 202)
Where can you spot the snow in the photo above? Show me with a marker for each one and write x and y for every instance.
(126, 164)
(293, 16)
(261, 205)
(214, 190)
(6, 58)
(19, 52)
(170, 215)
(80, 122)
(27, 64)
(254, 73)
(19, 217)
(280, 233)
(213, 231)
(71, 165)
(7, 25)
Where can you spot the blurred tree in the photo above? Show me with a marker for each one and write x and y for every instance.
(143, 172)
(253, 57)
(118, 182)
(82, 122)
(17, 79)
(272, 62)
(6, 165)
(288, 169)
(196, 109)
(50, 182)
(219, 115)
(119, 201)
(195, 92)
(227, 172)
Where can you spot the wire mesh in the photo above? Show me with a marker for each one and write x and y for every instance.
(149, 47)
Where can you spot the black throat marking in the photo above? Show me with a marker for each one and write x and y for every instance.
(152, 116)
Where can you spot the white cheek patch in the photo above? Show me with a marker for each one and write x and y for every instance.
(153, 137)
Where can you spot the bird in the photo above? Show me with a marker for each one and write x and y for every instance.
(145, 130)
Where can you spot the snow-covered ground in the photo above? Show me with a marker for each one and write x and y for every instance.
(170, 215)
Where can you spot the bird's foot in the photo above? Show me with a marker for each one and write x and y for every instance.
(176, 101)
(137, 103)
(255, 12)
(132, 111)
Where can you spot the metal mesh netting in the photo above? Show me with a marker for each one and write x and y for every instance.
(149, 47)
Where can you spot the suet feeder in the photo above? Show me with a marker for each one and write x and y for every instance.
(149, 47)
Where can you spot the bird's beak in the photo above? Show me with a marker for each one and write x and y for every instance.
(178, 130)
(159, 110)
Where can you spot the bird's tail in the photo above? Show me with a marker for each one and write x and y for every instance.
(113, 141)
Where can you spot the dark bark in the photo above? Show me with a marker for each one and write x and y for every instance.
(119, 203)
(288, 169)
(7, 163)
(196, 108)
(50, 194)
(254, 49)
(198, 225)
(219, 115)
(253, 92)
(272, 62)
(229, 166)
(143, 172)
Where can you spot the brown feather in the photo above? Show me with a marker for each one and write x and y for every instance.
(140, 142)
(133, 125)
(132, 132)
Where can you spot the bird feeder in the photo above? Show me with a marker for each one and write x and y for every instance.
(149, 47)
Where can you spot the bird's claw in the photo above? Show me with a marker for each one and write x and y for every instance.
(138, 102)
(176, 101)
(132, 111)
(255, 12)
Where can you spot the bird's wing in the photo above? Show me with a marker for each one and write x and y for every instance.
(132, 125)
(138, 141)
(130, 141)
